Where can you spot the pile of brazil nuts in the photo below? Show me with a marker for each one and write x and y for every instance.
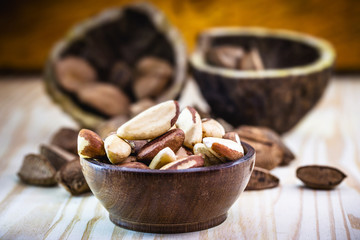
(164, 138)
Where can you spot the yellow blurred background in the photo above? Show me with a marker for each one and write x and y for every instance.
(30, 28)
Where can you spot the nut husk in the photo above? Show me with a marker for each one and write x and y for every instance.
(262, 179)
(56, 155)
(66, 138)
(320, 176)
(270, 150)
(37, 170)
(116, 36)
(72, 179)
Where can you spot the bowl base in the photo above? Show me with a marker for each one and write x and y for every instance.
(168, 228)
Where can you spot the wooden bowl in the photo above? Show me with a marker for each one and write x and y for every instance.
(125, 34)
(297, 70)
(169, 201)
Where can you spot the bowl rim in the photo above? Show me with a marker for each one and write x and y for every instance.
(325, 49)
(250, 153)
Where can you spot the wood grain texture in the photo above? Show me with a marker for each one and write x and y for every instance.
(329, 134)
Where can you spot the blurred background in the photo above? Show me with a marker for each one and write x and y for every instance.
(29, 29)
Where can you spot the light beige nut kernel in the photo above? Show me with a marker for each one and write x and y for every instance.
(151, 123)
(232, 136)
(164, 157)
(192, 161)
(189, 121)
(208, 155)
(117, 150)
(90, 145)
(224, 148)
(212, 128)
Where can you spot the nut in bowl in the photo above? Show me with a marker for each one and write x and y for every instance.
(278, 75)
(170, 185)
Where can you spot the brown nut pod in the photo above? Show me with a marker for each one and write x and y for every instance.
(270, 150)
(107, 45)
(320, 176)
(262, 179)
(70, 177)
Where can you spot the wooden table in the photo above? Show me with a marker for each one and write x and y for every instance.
(330, 134)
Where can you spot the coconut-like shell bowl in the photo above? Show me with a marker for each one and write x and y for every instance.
(297, 68)
(109, 45)
(169, 201)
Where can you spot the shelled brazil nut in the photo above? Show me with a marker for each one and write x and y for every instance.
(163, 138)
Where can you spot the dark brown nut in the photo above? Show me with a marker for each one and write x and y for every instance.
(189, 121)
(149, 86)
(141, 106)
(90, 145)
(73, 73)
(212, 128)
(208, 155)
(121, 76)
(163, 157)
(192, 161)
(37, 170)
(66, 138)
(117, 150)
(136, 145)
(224, 148)
(72, 179)
(173, 139)
(56, 156)
(233, 136)
(105, 98)
(133, 165)
(320, 176)
(225, 56)
(182, 152)
(251, 61)
(110, 126)
(270, 150)
(262, 179)
(153, 66)
(151, 123)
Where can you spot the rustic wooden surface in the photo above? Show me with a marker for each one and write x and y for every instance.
(330, 134)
